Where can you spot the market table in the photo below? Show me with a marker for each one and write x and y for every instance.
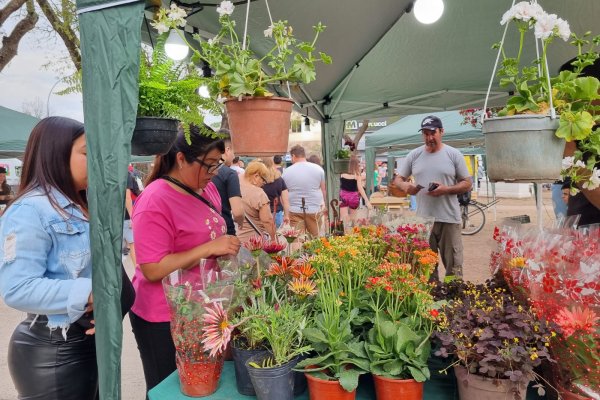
(168, 389)
(440, 387)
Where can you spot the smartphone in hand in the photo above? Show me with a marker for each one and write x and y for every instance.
(432, 186)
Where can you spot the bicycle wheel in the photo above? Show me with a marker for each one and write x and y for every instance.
(473, 219)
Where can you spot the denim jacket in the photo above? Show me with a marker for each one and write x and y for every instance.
(45, 258)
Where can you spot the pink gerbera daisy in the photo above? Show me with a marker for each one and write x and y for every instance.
(577, 320)
(217, 329)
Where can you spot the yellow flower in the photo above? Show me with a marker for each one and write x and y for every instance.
(517, 262)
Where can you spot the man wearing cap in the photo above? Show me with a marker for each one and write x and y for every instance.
(440, 173)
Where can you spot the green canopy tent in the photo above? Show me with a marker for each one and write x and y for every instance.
(14, 132)
(403, 135)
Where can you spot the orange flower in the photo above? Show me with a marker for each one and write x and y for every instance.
(302, 287)
(303, 270)
(279, 269)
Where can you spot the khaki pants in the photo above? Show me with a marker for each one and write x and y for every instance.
(311, 225)
(446, 239)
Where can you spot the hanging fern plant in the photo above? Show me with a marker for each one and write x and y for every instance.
(169, 89)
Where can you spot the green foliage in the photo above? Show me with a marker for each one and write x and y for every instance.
(169, 89)
(343, 154)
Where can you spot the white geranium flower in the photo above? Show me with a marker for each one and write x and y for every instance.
(567, 162)
(211, 41)
(269, 31)
(523, 11)
(579, 164)
(177, 15)
(574, 191)
(161, 27)
(226, 8)
(545, 25)
(221, 99)
(564, 31)
(594, 181)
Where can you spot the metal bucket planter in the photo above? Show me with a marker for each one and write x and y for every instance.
(523, 148)
(340, 166)
(259, 126)
(152, 136)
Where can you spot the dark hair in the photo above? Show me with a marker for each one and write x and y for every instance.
(315, 159)
(236, 159)
(47, 161)
(277, 159)
(298, 151)
(200, 146)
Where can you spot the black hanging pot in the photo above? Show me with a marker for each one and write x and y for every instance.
(153, 136)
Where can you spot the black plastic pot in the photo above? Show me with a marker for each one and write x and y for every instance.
(153, 136)
(299, 377)
(242, 378)
(276, 383)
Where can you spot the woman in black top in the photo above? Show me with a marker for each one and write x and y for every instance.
(276, 189)
(351, 190)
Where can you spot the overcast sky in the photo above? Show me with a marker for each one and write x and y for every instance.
(25, 78)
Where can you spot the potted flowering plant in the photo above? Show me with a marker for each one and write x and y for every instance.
(168, 95)
(242, 81)
(526, 133)
(496, 341)
(341, 161)
(398, 345)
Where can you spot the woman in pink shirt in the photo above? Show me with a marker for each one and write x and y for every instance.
(176, 222)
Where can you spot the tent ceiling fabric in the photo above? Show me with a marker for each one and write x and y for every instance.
(412, 67)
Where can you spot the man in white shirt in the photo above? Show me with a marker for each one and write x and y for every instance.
(306, 187)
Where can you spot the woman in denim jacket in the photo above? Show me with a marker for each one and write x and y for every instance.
(45, 267)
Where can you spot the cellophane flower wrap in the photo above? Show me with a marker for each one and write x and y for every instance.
(200, 299)
(560, 273)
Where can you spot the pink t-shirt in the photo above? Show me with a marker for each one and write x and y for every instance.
(166, 221)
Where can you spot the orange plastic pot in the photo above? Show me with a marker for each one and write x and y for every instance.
(259, 126)
(392, 389)
(320, 389)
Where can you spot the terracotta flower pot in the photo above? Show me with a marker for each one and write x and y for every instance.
(391, 389)
(259, 126)
(476, 387)
(320, 389)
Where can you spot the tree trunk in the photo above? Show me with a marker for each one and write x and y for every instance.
(65, 32)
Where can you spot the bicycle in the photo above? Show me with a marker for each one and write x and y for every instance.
(473, 218)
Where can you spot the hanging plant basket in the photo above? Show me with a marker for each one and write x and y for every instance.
(523, 148)
(153, 136)
(259, 126)
(340, 166)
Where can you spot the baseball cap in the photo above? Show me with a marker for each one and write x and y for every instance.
(431, 122)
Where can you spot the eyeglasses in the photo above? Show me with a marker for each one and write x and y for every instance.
(263, 179)
(210, 168)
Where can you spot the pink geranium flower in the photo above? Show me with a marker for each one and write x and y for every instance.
(578, 320)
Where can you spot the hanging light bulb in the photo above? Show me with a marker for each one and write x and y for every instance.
(203, 91)
(428, 11)
(175, 47)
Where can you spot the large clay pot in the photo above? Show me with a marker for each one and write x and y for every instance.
(153, 136)
(259, 126)
(476, 387)
(392, 389)
(320, 389)
(523, 148)
(199, 377)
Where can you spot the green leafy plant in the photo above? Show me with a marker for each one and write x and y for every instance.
(343, 154)
(237, 70)
(169, 89)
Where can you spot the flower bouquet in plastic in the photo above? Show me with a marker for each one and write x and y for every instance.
(200, 299)
(560, 274)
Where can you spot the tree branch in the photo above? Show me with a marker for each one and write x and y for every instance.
(10, 44)
(65, 32)
(11, 7)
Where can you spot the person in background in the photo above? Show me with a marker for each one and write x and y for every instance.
(6, 193)
(132, 191)
(227, 182)
(351, 190)
(276, 190)
(176, 222)
(441, 174)
(376, 179)
(256, 202)
(306, 186)
(315, 159)
(46, 268)
(278, 161)
(237, 165)
(558, 203)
